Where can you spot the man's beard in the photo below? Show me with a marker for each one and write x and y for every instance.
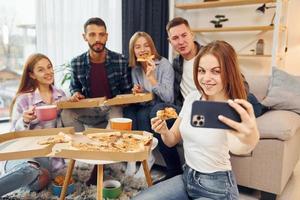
(97, 50)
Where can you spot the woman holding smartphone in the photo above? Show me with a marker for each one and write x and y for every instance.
(207, 172)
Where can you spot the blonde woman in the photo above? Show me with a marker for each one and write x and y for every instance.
(150, 73)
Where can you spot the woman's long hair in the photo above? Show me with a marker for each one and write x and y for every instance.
(133, 39)
(27, 84)
(230, 72)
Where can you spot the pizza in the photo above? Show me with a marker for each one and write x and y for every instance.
(114, 142)
(167, 113)
(145, 58)
(54, 139)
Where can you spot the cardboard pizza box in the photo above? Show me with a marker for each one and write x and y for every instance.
(68, 151)
(24, 144)
(84, 103)
(129, 99)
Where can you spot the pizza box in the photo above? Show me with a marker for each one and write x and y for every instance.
(129, 99)
(84, 103)
(24, 144)
(65, 150)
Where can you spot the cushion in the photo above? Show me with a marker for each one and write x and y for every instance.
(278, 124)
(283, 92)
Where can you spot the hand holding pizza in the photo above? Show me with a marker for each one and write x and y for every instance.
(137, 88)
(159, 126)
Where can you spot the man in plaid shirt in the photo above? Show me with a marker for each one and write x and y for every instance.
(98, 72)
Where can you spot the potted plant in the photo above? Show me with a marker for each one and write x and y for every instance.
(219, 20)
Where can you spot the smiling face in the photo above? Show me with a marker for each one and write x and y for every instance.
(96, 37)
(209, 78)
(182, 40)
(43, 72)
(141, 47)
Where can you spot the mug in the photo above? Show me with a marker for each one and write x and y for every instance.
(111, 189)
(121, 124)
(46, 113)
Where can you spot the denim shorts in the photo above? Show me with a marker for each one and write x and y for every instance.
(218, 185)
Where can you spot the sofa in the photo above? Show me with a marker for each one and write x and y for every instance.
(270, 165)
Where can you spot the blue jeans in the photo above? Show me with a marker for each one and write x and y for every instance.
(91, 117)
(140, 115)
(194, 185)
(170, 155)
(22, 173)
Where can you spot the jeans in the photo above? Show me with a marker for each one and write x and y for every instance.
(194, 185)
(140, 115)
(22, 173)
(169, 154)
(92, 117)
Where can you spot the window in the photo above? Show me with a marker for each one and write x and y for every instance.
(17, 41)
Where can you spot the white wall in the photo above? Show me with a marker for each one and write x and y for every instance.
(245, 41)
(293, 55)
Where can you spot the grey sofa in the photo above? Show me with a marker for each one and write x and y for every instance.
(270, 165)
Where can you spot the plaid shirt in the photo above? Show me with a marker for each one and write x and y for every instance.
(178, 69)
(118, 74)
(24, 101)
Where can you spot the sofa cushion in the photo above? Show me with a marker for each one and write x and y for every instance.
(258, 85)
(283, 92)
(278, 124)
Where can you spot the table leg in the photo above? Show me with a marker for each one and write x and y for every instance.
(99, 182)
(147, 172)
(67, 179)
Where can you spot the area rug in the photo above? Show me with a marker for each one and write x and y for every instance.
(131, 186)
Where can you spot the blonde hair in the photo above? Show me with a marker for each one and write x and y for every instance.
(230, 72)
(132, 41)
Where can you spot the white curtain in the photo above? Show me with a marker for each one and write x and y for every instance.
(59, 26)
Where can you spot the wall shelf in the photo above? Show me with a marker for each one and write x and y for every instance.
(220, 3)
(253, 56)
(232, 29)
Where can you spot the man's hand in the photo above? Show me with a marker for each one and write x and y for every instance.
(29, 115)
(77, 96)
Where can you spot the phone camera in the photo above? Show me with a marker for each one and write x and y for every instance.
(198, 120)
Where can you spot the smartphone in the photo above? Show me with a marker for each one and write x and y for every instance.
(205, 114)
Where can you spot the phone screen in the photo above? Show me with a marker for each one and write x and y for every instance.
(205, 114)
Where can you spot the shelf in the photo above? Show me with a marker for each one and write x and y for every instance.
(231, 29)
(220, 3)
(253, 56)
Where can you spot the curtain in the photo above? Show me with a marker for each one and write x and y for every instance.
(150, 16)
(59, 26)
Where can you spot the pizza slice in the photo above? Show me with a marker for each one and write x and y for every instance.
(54, 139)
(145, 58)
(167, 113)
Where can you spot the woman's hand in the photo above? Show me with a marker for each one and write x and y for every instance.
(159, 126)
(137, 88)
(246, 130)
(29, 115)
(150, 72)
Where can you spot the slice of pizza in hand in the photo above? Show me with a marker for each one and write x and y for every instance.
(54, 139)
(145, 58)
(167, 113)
